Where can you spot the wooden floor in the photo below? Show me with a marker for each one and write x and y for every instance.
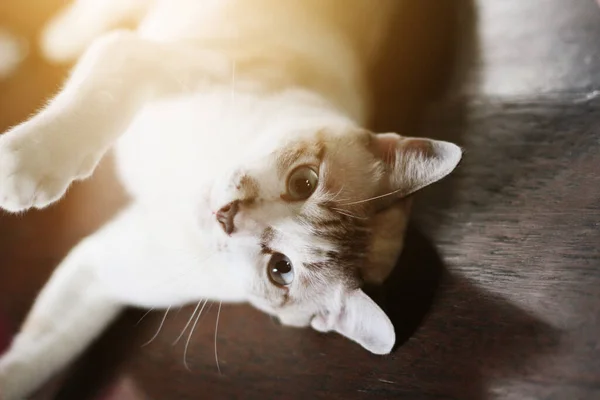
(497, 295)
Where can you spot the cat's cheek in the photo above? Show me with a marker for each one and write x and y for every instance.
(246, 225)
(261, 305)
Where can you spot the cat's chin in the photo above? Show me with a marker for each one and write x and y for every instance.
(295, 321)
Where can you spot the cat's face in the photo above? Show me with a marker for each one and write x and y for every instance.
(299, 220)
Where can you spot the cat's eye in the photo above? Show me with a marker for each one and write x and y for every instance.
(302, 183)
(280, 270)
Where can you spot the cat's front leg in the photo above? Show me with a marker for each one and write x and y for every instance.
(123, 263)
(38, 163)
(42, 156)
(64, 142)
(71, 310)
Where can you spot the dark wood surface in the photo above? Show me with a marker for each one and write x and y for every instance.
(497, 295)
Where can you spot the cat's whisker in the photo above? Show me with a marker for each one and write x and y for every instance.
(338, 200)
(188, 324)
(144, 316)
(335, 196)
(187, 343)
(216, 330)
(373, 198)
(162, 322)
(342, 212)
(233, 84)
(347, 213)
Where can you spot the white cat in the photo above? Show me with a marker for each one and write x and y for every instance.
(238, 132)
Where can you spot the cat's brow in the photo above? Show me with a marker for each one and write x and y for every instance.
(315, 266)
(265, 240)
(287, 157)
(248, 187)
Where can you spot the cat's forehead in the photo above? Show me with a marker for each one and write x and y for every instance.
(315, 144)
(307, 150)
(335, 153)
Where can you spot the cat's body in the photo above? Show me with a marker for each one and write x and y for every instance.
(238, 132)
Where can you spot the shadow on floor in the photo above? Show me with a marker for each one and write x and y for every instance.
(448, 329)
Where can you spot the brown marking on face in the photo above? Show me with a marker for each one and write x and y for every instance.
(287, 157)
(247, 186)
(316, 266)
(305, 279)
(333, 174)
(350, 235)
(286, 299)
(319, 149)
(265, 240)
(351, 240)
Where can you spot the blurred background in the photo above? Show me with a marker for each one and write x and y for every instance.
(497, 294)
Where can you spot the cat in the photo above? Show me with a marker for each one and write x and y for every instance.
(238, 129)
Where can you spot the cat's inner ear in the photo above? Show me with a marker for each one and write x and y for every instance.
(361, 320)
(413, 163)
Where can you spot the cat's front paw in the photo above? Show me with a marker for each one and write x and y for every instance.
(35, 171)
(13, 379)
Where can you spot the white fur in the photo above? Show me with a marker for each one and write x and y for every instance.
(184, 120)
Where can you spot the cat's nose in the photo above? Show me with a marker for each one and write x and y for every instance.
(226, 215)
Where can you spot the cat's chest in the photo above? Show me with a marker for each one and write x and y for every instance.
(185, 141)
(205, 128)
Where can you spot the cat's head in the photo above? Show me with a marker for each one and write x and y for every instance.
(301, 220)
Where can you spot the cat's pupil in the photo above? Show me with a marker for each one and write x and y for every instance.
(303, 186)
(283, 267)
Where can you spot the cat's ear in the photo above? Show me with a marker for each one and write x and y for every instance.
(361, 320)
(413, 163)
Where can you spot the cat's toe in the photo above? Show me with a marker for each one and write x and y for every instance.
(30, 180)
(20, 191)
(16, 194)
(12, 380)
